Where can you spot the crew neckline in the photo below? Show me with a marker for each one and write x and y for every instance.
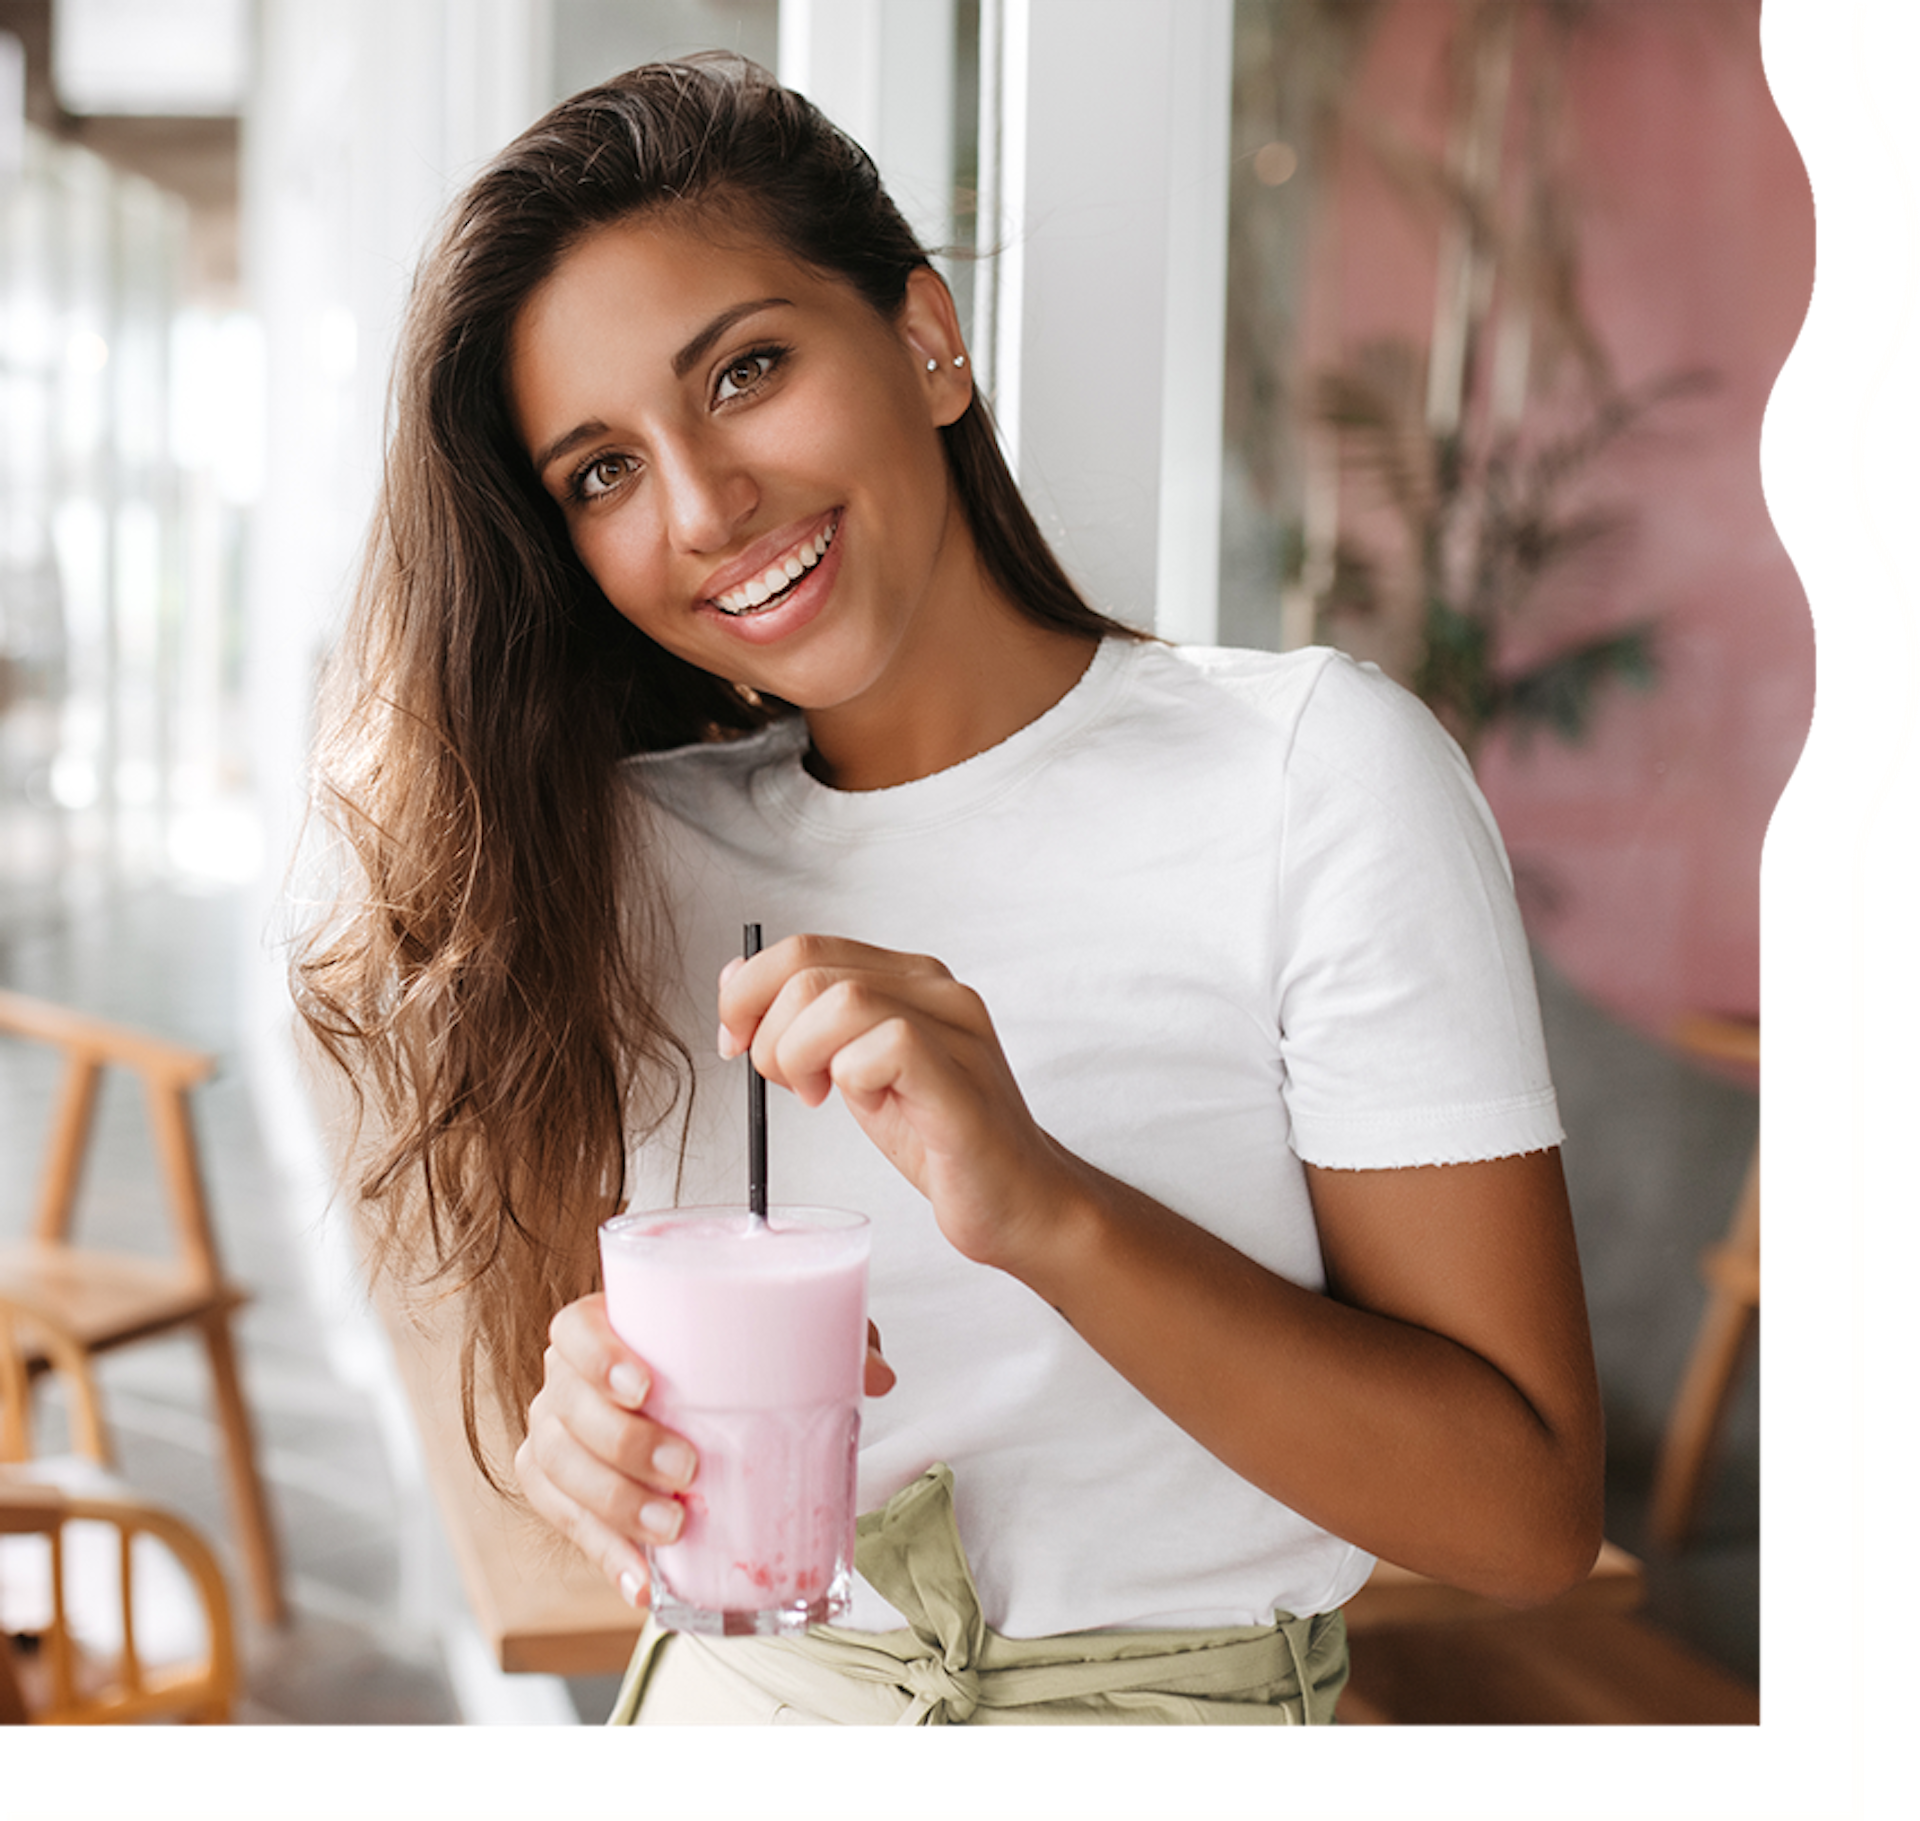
(788, 789)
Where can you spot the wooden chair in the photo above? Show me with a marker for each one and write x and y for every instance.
(111, 1299)
(1732, 1273)
(111, 1609)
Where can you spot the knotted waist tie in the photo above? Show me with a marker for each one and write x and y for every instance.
(950, 1668)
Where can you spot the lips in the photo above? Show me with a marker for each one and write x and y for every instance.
(751, 584)
(775, 588)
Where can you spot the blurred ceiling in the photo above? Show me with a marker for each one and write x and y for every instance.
(197, 157)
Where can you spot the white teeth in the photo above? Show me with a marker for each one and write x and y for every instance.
(777, 578)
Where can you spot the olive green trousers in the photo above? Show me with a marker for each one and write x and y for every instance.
(948, 1667)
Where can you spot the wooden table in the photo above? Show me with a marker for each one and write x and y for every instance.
(1397, 1596)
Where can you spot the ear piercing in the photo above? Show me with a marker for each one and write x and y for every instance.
(959, 360)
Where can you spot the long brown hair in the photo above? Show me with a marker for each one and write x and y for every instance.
(488, 984)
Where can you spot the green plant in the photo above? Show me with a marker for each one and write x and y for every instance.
(1479, 441)
(1486, 517)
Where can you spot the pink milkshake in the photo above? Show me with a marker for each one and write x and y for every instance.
(757, 1341)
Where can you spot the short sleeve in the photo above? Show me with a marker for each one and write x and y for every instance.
(1409, 1018)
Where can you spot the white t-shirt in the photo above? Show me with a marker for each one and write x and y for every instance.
(1228, 911)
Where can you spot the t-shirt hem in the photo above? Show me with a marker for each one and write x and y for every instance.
(1412, 1140)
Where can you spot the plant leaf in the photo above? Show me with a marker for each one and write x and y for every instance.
(1560, 694)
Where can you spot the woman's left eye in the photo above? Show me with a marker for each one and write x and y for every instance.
(743, 375)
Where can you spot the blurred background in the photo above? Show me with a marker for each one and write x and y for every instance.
(1447, 328)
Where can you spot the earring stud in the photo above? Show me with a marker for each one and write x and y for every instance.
(959, 360)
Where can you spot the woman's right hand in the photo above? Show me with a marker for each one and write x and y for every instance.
(602, 1473)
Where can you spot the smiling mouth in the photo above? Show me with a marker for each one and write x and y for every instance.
(772, 585)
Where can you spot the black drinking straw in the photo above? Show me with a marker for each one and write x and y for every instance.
(756, 1112)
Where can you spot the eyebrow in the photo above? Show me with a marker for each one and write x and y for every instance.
(683, 363)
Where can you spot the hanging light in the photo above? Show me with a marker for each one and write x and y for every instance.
(176, 57)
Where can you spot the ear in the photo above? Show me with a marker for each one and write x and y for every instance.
(930, 327)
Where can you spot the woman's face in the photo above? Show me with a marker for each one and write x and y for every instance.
(747, 453)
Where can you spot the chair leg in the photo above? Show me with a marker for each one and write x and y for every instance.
(253, 1518)
(1719, 1350)
(172, 1123)
(1705, 1392)
(13, 1704)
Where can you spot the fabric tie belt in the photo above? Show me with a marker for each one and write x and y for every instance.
(948, 1667)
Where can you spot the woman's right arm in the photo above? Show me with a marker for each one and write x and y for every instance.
(599, 1470)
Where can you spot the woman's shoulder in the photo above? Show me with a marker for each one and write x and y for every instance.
(1329, 729)
(1316, 687)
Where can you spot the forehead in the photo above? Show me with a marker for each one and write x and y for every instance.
(647, 280)
(632, 294)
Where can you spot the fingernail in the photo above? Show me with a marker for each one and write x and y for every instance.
(674, 1461)
(660, 1518)
(733, 967)
(628, 1385)
(728, 1048)
(631, 1589)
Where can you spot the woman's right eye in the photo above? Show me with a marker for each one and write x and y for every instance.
(600, 476)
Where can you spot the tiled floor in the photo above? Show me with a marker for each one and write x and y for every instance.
(362, 1648)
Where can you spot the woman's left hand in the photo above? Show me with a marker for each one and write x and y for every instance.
(915, 1057)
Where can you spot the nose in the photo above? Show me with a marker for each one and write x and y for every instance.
(708, 493)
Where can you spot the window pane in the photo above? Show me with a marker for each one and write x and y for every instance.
(1276, 173)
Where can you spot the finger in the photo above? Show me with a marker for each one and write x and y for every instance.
(583, 1336)
(817, 1015)
(913, 1101)
(749, 987)
(880, 1377)
(621, 1561)
(599, 1481)
(628, 1441)
(595, 1387)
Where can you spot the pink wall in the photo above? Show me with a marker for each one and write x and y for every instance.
(1697, 249)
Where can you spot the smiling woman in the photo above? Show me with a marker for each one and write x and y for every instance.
(487, 688)
(1232, 1235)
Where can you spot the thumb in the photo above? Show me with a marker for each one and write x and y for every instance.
(881, 1377)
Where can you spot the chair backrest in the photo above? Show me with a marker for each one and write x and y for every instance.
(167, 1071)
(90, 1584)
(111, 1609)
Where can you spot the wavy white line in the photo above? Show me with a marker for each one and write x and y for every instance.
(1863, 506)
(1901, 594)
(1863, 840)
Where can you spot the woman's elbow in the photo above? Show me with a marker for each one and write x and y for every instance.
(1557, 1555)
(1555, 1571)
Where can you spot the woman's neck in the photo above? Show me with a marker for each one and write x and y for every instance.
(968, 685)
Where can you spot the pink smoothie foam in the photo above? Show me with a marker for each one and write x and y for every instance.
(756, 1342)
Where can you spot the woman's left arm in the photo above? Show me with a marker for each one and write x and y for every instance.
(1437, 1407)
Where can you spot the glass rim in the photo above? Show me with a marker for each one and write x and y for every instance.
(816, 1218)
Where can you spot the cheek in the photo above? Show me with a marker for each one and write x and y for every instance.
(628, 566)
(893, 456)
